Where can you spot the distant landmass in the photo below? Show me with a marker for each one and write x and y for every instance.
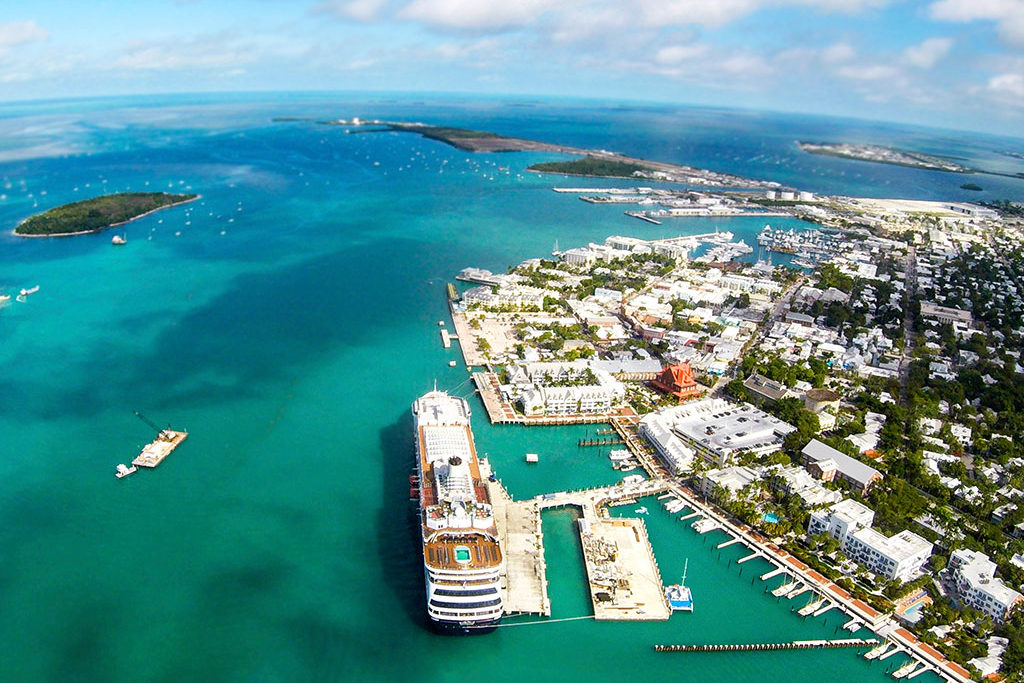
(884, 155)
(594, 162)
(98, 213)
(899, 157)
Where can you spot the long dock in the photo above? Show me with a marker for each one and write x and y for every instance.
(154, 452)
(750, 647)
(519, 527)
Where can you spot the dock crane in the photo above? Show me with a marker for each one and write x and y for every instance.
(160, 430)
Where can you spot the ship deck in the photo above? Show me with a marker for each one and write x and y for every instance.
(484, 552)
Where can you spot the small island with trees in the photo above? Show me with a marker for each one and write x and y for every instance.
(98, 213)
(591, 166)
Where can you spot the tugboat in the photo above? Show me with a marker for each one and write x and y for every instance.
(678, 595)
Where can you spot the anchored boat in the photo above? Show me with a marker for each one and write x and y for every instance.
(678, 595)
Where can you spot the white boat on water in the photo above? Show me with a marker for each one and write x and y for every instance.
(123, 470)
(25, 293)
(678, 595)
(118, 239)
(642, 510)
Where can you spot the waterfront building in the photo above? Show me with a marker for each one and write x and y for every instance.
(678, 381)
(974, 577)
(898, 557)
(676, 456)
(717, 429)
(828, 464)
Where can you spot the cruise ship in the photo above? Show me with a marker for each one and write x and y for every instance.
(462, 558)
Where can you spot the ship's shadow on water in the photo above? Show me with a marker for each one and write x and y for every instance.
(398, 539)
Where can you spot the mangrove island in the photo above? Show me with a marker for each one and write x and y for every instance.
(98, 213)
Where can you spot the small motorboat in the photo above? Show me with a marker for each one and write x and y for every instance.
(118, 239)
(123, 470)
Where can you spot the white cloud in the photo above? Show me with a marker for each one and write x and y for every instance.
(14, 33)
(1008, 15)
(925, 55)
(674, 54)
(358, 10)
(838, 53)
(1009, 83)
(475, 14)
(869, 72)
(224, 50)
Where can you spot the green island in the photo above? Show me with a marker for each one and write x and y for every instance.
(590, 166)
(98, 213)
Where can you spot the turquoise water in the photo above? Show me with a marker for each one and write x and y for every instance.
(288, 327)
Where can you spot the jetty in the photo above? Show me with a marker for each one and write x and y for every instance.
(600, 442)
(761, 647)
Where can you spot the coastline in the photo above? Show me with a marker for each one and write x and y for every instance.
(106, 227)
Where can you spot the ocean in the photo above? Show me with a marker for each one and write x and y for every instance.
(287, 320)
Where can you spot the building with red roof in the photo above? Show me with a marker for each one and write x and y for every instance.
(678, 381)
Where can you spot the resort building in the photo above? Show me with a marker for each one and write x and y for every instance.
(796, 481)
(732, 479)
(897, 558)
(974, 577)
(829, 464)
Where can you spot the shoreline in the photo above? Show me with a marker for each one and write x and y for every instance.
(106, 227)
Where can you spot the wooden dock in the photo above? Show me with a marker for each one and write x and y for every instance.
(154, 452)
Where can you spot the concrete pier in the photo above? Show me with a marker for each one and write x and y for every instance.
(748, 558)
(726, 544)
(519, 527)
(773, 573)
(622, 572)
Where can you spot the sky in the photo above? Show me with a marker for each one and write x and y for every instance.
(950, 63)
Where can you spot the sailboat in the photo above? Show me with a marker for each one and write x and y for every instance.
(678, 595)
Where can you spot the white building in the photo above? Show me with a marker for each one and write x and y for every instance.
(732, 479)
(795, 480)
(716, 429)
(974, 576)
(898, 557)
(676, 455)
